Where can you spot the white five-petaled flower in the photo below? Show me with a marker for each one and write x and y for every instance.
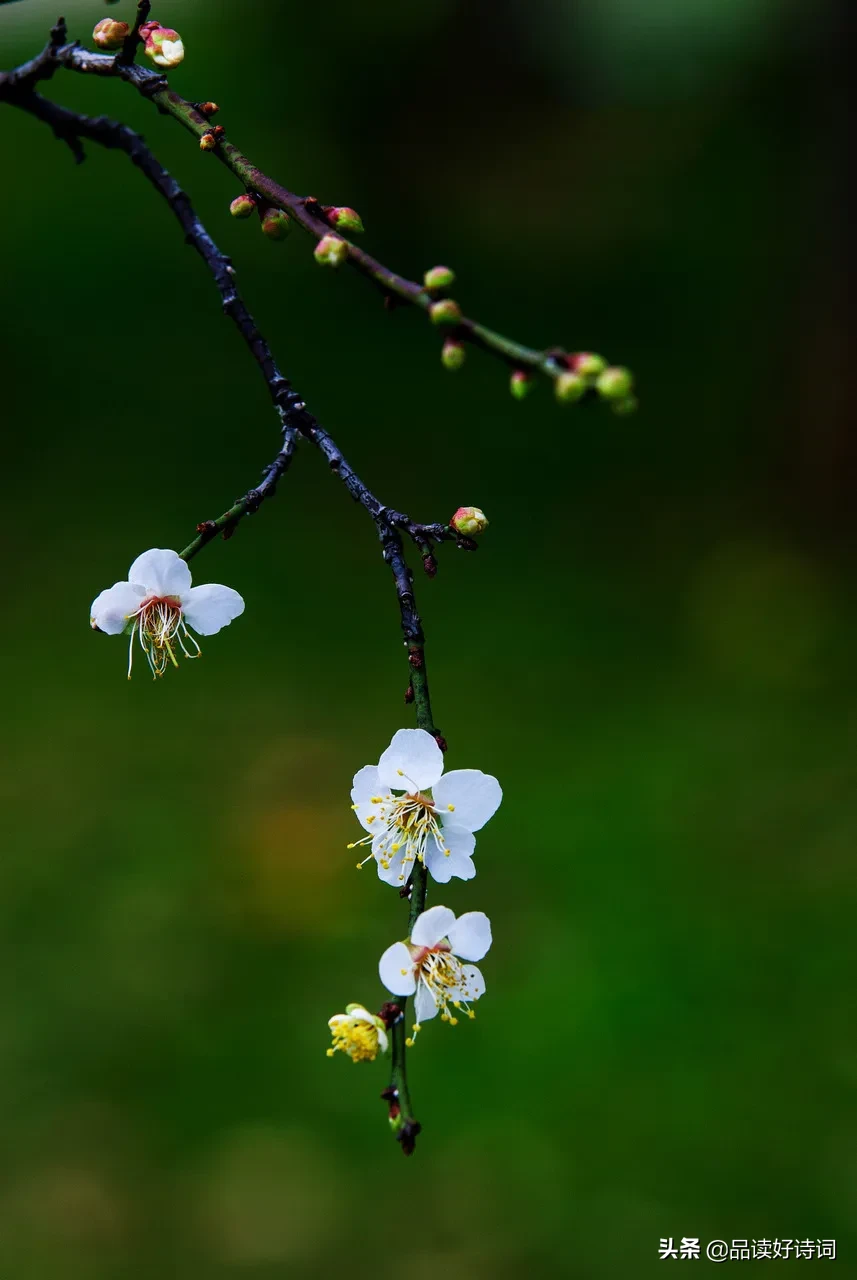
(430, 968)
(359, 1033)
(157, 604)
(413, 814)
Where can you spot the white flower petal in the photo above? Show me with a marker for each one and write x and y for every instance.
(442, 867)
(210, 608)
(366, 785)
(413, 759)
(458, 839)
(470, 935)
(433, 925)
(111, 609)
(383, 1042)
(390, 966)
(161, 572)
(475, 796)
(424, 1005)
(472, 983)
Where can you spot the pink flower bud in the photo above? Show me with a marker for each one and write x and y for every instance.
(109, 35)
(162, 44)
(242, 206)
(331, 251)
(469, 521)
(445, 312)
(345, 219)
(276, 224)
(439, 278)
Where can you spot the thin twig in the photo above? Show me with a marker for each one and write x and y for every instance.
(306, 211)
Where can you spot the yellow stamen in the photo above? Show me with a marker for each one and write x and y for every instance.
(355, 1035)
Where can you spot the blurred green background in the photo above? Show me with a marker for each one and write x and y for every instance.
(653, 651)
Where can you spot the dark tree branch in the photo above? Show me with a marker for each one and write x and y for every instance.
(128, 52)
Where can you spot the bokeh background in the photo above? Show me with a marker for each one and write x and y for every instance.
(653, 650)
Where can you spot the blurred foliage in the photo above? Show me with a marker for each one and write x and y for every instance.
(653, 650)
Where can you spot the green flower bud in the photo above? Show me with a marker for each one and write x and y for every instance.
(242, 206)
(275, 223)
(626, 406)
(345, 219)
(569, 387)
(469, 521)
(445, 312)
(453, 354)
(615, 383)
(331, 251)
(520, 384)
(439, 278)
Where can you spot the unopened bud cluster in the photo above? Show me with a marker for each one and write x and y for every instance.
(585, 371)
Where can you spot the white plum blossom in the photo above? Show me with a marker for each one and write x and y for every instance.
(359, 1033)
(429, 966)
(157, 604)
(413, 814)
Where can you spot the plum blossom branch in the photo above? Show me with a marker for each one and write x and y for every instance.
(17, 87)
(574, 374)
(71, 127)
